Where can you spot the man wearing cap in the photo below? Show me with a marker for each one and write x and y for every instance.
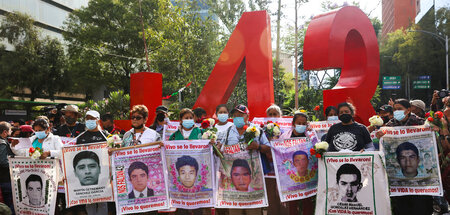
(418, 107)
(93, 134)
(161, 119)
(72, 128)
(235, 135)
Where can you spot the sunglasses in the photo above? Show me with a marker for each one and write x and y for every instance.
(137, 117)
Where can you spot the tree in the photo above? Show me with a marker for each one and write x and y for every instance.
(35, 63)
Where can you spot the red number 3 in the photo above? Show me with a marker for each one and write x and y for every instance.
(345, 39)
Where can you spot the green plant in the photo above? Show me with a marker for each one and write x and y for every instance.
(117, 104)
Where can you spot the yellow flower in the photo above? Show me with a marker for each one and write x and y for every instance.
(253, 129)
(276, 124)
(303, 111)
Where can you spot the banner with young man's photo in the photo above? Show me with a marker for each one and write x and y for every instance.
(190, 169)
(295, 168)
(240, 181)
(169, 129)
(411, 160)
(140, 179)
(352, 183)
(34, 185)
(322, 127)
(68, 141)
(87, 173)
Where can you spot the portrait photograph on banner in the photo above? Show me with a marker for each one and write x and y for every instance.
(140, 180)
(87, 172)
(352, 183)
(411, 161)
(295, 168)
(190, 173)
(34, 185)
(170, 128)
(240, 180)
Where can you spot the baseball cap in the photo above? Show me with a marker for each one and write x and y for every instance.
(418, 103)
(162, 108)
(386, 108)
(93, 113)
(242, 109)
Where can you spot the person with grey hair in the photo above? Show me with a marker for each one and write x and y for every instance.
(274, 111)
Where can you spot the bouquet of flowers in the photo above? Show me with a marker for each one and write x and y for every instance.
(376, 121)
(251, 132)
(113, 141)
(35, 153)
(209, 132)
(271, 129)
(208, 123)
(319, 149)
(434, 118)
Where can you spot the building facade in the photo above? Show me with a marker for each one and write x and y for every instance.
(398, 14)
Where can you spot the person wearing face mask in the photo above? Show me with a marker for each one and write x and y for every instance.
(348, 134)
(418, 108)
(187, 130)
(331, 113)
(107, 123)
(386, 113)
(5, 151)
(413, 204)
(50, 144)
(235, 135)
(93, 133)
(72, 127)
(139, 133)
(299, 129)
(161, 119)
(222, 116)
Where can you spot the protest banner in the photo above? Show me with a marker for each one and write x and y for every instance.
(284, 123)
(352, 183)
(322, 127)
(169, 129)
(140, 179)
(240, 182)
(412, 163)
(34, 185)
(295, 168)
(87, 172)
(68, 141)
(191, 168)
(24, 142)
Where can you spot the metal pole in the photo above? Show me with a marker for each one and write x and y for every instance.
(296, 59)
(446, 57)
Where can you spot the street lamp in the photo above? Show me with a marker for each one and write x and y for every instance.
(439, 37)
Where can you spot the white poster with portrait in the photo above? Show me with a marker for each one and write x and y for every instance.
(352, 183)
(87, 173)
(411, 161)
(34, 185)
(169, 129)
(191, 170)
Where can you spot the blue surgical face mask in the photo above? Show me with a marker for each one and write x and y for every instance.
(399, 115)
(91, 124)
(40, 134)
(332, 118)
(188, 123)
(300, 129)
(239, 122)
(223, 117)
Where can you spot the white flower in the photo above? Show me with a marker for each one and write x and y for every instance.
(276, 131)
(249, 129)
(206, 135)
(270, 126)
(36, 155)
(321, 145)
(376, 120)
(214, 137)
(211, 122)
(257, 133)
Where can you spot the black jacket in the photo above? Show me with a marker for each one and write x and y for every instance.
(149, 193)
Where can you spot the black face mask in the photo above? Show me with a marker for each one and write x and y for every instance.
(70, 120)
(385, 119)
(345, 118)
(160, 117)
(137, 127)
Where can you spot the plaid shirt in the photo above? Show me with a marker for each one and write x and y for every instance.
(412, 120)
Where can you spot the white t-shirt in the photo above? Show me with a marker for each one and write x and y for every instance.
(149, 136)
(222, 129)
(185, 133)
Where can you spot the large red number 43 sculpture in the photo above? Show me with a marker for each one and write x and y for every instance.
(345, 39)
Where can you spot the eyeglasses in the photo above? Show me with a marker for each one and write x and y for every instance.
(136, 117)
